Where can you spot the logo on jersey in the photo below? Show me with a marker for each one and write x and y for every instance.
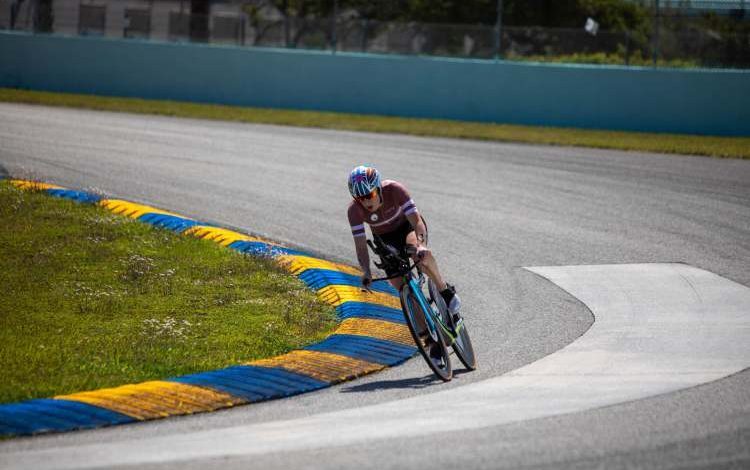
(374, 217)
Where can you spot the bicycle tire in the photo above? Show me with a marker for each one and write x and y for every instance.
(462, 345)
(410, 306)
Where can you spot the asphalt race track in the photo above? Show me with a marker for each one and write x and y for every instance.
(539, 240)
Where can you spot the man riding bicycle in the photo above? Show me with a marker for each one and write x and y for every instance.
(393, 217)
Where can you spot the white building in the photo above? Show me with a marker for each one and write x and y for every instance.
(152, 19)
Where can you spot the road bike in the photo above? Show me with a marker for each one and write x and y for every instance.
(437, 325)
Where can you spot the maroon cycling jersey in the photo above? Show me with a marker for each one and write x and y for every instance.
(397, 204)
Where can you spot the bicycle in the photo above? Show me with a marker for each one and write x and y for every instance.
(442, 328)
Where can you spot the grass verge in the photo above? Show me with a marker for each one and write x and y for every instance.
(728, 147)
(92, 300)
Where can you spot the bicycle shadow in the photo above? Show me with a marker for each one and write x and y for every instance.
(414, 383)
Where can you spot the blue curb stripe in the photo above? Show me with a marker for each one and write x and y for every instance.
(259, 386)
(365, 348)
(253, 383)
(78, 196)
(7, 430)
(47, 414)
(28, 421)
(49, 410)
(170, 222)
(264, 249)
(319, 278)
(94, 413)
(365, 310)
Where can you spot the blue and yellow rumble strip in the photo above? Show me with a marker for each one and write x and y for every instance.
(371, 336)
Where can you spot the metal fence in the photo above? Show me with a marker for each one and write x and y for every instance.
(678, 36)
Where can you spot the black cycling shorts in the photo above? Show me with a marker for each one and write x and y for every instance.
(397, 239)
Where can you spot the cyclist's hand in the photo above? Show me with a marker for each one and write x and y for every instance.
(422, 251)
(366, 282)
(411, 250)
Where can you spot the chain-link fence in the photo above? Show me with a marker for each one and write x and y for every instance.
(704, 35)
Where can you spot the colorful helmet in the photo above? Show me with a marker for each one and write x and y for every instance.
(363, 180)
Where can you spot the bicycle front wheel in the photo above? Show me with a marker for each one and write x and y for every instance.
(415, 316)
(461, 341)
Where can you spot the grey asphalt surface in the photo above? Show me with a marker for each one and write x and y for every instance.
(491, 208)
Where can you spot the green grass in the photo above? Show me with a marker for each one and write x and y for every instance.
(603, 58)
(730, 147)
(91, 299)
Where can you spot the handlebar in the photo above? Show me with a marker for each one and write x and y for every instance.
(398, 274)
(390, 256)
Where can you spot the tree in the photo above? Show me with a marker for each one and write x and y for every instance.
(199, 11)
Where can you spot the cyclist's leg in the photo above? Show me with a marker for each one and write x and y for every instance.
(396, 282)
(429, 264)
(397, 239)
(430, 267)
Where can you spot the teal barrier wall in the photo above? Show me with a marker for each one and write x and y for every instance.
(643, 99)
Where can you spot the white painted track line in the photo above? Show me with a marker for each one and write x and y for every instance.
(659, 328)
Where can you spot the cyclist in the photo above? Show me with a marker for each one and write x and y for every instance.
(393, 217)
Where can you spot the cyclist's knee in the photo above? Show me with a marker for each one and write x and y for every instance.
(427, 258)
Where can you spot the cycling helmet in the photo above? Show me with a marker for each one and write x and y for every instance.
(363, 180)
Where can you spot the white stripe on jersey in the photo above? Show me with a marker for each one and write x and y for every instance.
(409, 202)
(398, 213)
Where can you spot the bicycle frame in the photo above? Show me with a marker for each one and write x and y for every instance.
(417, 291)
(413, 283)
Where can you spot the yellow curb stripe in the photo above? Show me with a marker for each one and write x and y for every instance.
(156, 399)
(33, 185)
(323, 366)
(219, 235)
(131, 209)
(376, 329)
(298, 264)
(337, 294)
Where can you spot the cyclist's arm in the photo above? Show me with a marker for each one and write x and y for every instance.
(357, 225)
(363, 256)
(419, 228)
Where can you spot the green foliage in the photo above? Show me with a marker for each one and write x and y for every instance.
(92, 300)
(718, 40)
(616, 15)
(602, 58)
(551, 13)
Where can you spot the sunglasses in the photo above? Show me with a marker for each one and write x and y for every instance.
(368, 197)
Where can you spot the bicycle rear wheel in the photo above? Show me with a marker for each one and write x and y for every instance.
(462, 342)
(441, 366)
